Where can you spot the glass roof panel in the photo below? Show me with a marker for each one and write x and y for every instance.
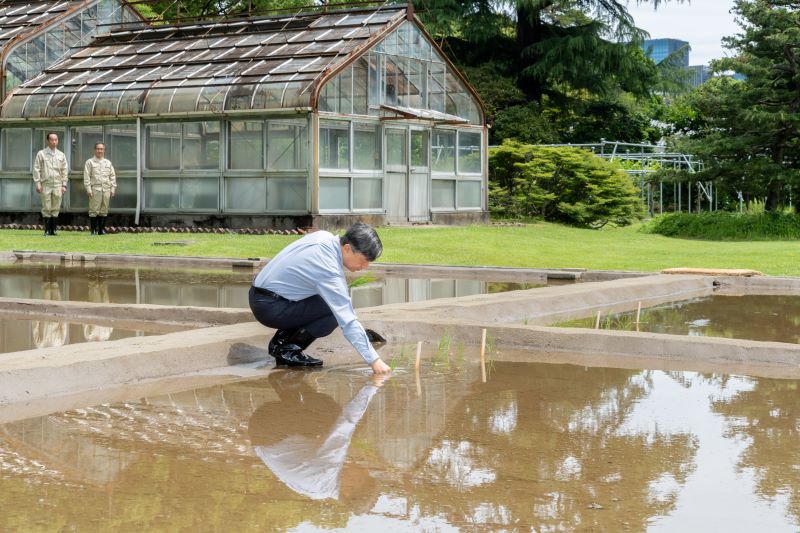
(45, 32)
(257, 63)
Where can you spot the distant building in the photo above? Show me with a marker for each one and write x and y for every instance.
(659, 49)
(699, 74)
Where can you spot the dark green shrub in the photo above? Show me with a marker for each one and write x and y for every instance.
(560, 184)
(724, 225)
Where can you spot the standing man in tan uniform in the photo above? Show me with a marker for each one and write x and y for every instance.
(50, 177)
(101, 185)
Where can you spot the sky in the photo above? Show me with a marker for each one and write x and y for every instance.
(703, 23)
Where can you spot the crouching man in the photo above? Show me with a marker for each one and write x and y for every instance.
(302, 292)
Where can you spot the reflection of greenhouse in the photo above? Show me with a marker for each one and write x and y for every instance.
(306, 119)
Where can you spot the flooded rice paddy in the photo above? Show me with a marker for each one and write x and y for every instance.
(754, 317)
(208, 288)
(540, 447)
(24, 334)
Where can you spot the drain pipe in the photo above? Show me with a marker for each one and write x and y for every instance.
(138, 169)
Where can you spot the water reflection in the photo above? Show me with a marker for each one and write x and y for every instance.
(304, 437)
(48, 333)
(211, 288)
(538, 447)
(97, 293)
(755, 317)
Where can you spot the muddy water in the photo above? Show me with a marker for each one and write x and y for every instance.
(207, 288)
(537, 447)
(754, 317)
(23, 334)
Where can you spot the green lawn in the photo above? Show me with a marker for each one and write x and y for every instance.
(536, 245)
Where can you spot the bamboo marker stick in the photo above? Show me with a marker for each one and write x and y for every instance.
(483, 355)
(638, 313)
(597, 322)
(419, 352)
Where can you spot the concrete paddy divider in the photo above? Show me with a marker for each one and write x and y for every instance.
(518, 322)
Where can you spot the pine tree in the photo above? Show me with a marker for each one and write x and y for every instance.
(748, 131)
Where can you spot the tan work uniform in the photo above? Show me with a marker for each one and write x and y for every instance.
(100, 181)
(50, 171)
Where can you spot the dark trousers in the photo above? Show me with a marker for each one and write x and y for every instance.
(311, 314)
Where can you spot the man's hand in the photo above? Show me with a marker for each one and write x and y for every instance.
(379, 367)
(113, 193)
(39, 187)
(89, 193)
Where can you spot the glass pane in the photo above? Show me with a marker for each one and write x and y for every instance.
(37, 105)
(334, 193)
(17, 149)
(329, 101)
(443, 151)
(469, 194)
(125, 197)
(287, 194)
(83, 139)
(77, 194)
(200, 193)
(416, 84)
(395, 148)
(201, 145)
(419, 148)
(15, 194)
(287, 145)
(106, 103)
(391, 80)
(346, 91)
(246, 145)
(121, 146)
(469, 152)
(163, 146)
(157, 101)
(360, 86)
(161, 193)
(367, 146)
(374, 80)
(245, 194)
(443, 194)
(367, 193)
(334, 145)
(436, 87)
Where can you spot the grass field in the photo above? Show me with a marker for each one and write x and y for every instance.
(539, 245)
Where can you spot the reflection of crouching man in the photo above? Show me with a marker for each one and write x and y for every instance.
(304, 438)
(100, 181)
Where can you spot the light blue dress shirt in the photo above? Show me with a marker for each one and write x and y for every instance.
(313, 265)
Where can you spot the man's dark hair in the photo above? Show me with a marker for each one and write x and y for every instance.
(364, 240)
(49, 133)
(98, 143)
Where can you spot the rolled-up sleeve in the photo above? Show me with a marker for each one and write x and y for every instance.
(334, 291)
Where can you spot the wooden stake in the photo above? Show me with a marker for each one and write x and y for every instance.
(483, 355)
(638, 313)
(597, 322)
(419, 352)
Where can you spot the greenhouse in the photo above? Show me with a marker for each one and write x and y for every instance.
(309, 119)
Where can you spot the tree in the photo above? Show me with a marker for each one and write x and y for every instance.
(746, 131)
(560, 184)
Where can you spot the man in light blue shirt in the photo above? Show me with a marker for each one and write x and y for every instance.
(302, 292)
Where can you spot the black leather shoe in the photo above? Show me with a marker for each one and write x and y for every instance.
(292, 355)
